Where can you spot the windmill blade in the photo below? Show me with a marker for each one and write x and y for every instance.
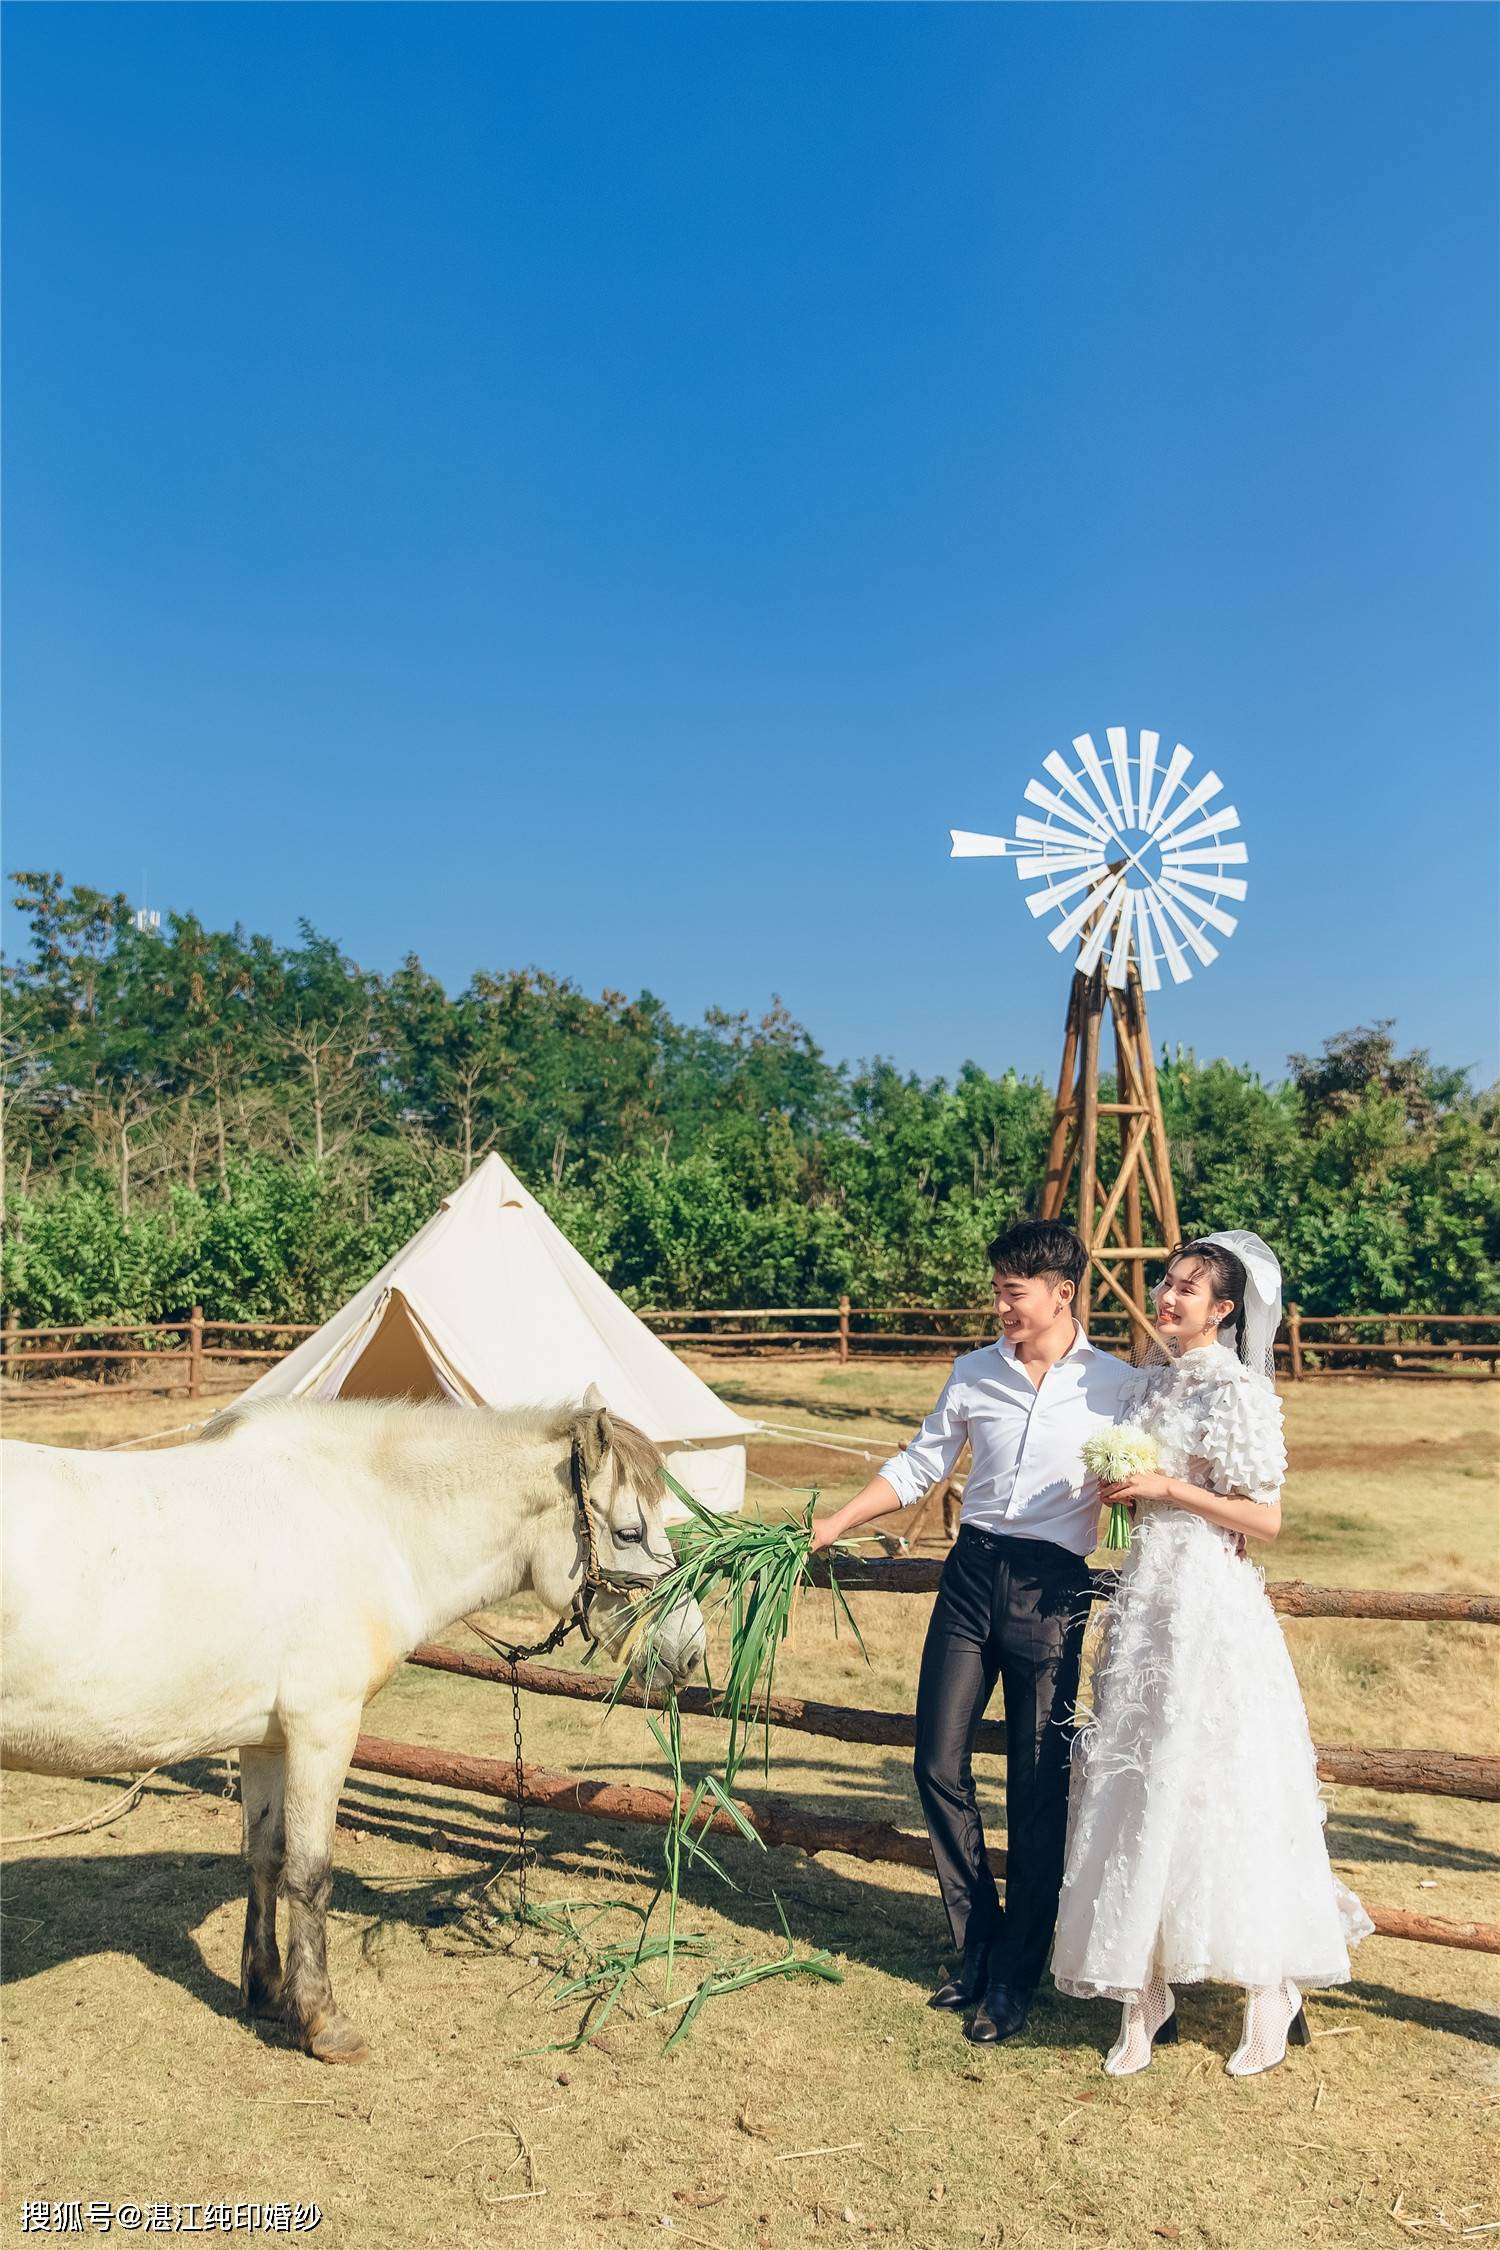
(966, 845)
(1215, 825)
(1084, 745)
(1093, 826)
(1145, 951)
(1059, 863)
(1197, 943)
(1217, 886)
(1099, 936)
(1149, 742)
(1120, 759)
(1068, 929)
(1225, 924)
(1119, 960)
(1208, 787)
(1176, 960)
(1214, 855)
(1063, 774)
(1042, 902)
(1177, 766)
(1045, 835)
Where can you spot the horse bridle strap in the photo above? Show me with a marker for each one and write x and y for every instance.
(614, 1581)
(594, 1580)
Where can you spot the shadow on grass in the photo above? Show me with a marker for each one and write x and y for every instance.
(1379, 1837)
(147, 1904)
(812, 1411)
(1361, 1997)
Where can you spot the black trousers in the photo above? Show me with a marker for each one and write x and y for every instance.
(1012, 1610)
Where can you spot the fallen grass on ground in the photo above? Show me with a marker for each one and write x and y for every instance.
(128, 2072)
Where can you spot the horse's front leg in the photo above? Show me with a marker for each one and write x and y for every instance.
(317, 1759)
(262, 1788)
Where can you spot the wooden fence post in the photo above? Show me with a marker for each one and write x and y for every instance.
(843, 1331)
(195, 1353)
(1294, 1325)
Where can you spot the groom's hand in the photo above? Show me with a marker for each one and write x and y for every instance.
(825, 1532)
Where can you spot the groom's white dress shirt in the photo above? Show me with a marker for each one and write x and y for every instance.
(1028, 1479)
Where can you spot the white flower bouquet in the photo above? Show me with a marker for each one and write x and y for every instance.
(1113, 1455)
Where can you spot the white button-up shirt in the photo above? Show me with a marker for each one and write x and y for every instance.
(1028, 1479)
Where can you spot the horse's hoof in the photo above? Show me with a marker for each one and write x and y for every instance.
(338, 2041)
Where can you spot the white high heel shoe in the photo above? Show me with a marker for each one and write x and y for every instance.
(1142, 2023)
(1274, 2014)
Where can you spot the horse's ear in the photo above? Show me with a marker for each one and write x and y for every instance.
(595, 1435)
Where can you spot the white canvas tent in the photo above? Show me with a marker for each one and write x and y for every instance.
(490, 1304)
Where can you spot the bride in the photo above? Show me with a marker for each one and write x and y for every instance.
(1195, 1843)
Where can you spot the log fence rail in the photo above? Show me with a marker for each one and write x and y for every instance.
(1445, 1773)
(777, 1824)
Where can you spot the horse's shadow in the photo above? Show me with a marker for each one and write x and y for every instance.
(148, 1905)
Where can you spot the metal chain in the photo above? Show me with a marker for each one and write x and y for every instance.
(513, 1654)
(515, 1710)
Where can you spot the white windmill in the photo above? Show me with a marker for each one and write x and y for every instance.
(1136, 862)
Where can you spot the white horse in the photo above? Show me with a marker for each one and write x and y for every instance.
(254, 1589)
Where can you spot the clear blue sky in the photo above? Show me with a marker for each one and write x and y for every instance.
(608, 487)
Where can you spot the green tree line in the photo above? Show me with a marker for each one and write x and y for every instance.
(203, 1116)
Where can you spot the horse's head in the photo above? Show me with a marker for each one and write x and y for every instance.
(615, 1481)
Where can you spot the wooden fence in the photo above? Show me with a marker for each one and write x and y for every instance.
(1431, 1772)
(1310, 1343)
(184, 1354)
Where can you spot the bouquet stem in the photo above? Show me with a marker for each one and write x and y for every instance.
(1118, 1535)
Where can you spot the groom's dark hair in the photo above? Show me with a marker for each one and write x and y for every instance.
(1040, 1246)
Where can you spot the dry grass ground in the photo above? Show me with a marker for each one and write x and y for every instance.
(127, 2072)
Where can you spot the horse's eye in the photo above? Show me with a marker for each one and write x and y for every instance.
(631, 1535)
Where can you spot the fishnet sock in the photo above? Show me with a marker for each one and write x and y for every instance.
(1140, 2021)
(1270, 2010)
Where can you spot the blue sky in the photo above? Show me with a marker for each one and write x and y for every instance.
(609, 487)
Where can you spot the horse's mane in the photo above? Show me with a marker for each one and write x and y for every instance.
(552, 1422)
(639, 1457)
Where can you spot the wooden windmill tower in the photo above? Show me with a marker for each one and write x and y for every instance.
(1131, 857)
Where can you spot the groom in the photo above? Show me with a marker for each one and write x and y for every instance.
(1012, 1607)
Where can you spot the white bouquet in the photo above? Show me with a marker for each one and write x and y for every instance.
(1113, 1455)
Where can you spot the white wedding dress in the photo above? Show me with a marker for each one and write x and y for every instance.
(1195, 1828)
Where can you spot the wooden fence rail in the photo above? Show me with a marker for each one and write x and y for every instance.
(1291, 1597)
(1314, 1343)
(1433, 1773)
(870, 1840)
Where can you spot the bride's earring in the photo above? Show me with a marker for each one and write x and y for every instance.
(1142, 2023)
(1274, 2014)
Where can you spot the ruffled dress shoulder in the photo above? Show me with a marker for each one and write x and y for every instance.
(1215, 1422)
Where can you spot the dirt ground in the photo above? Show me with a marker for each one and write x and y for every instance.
(797, 2111)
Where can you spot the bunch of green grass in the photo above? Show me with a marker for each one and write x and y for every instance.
(612, 1971)
(748, 1574)
(684, 1844)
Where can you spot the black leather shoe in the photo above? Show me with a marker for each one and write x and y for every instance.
(1000, 2015)
(963, 1990)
